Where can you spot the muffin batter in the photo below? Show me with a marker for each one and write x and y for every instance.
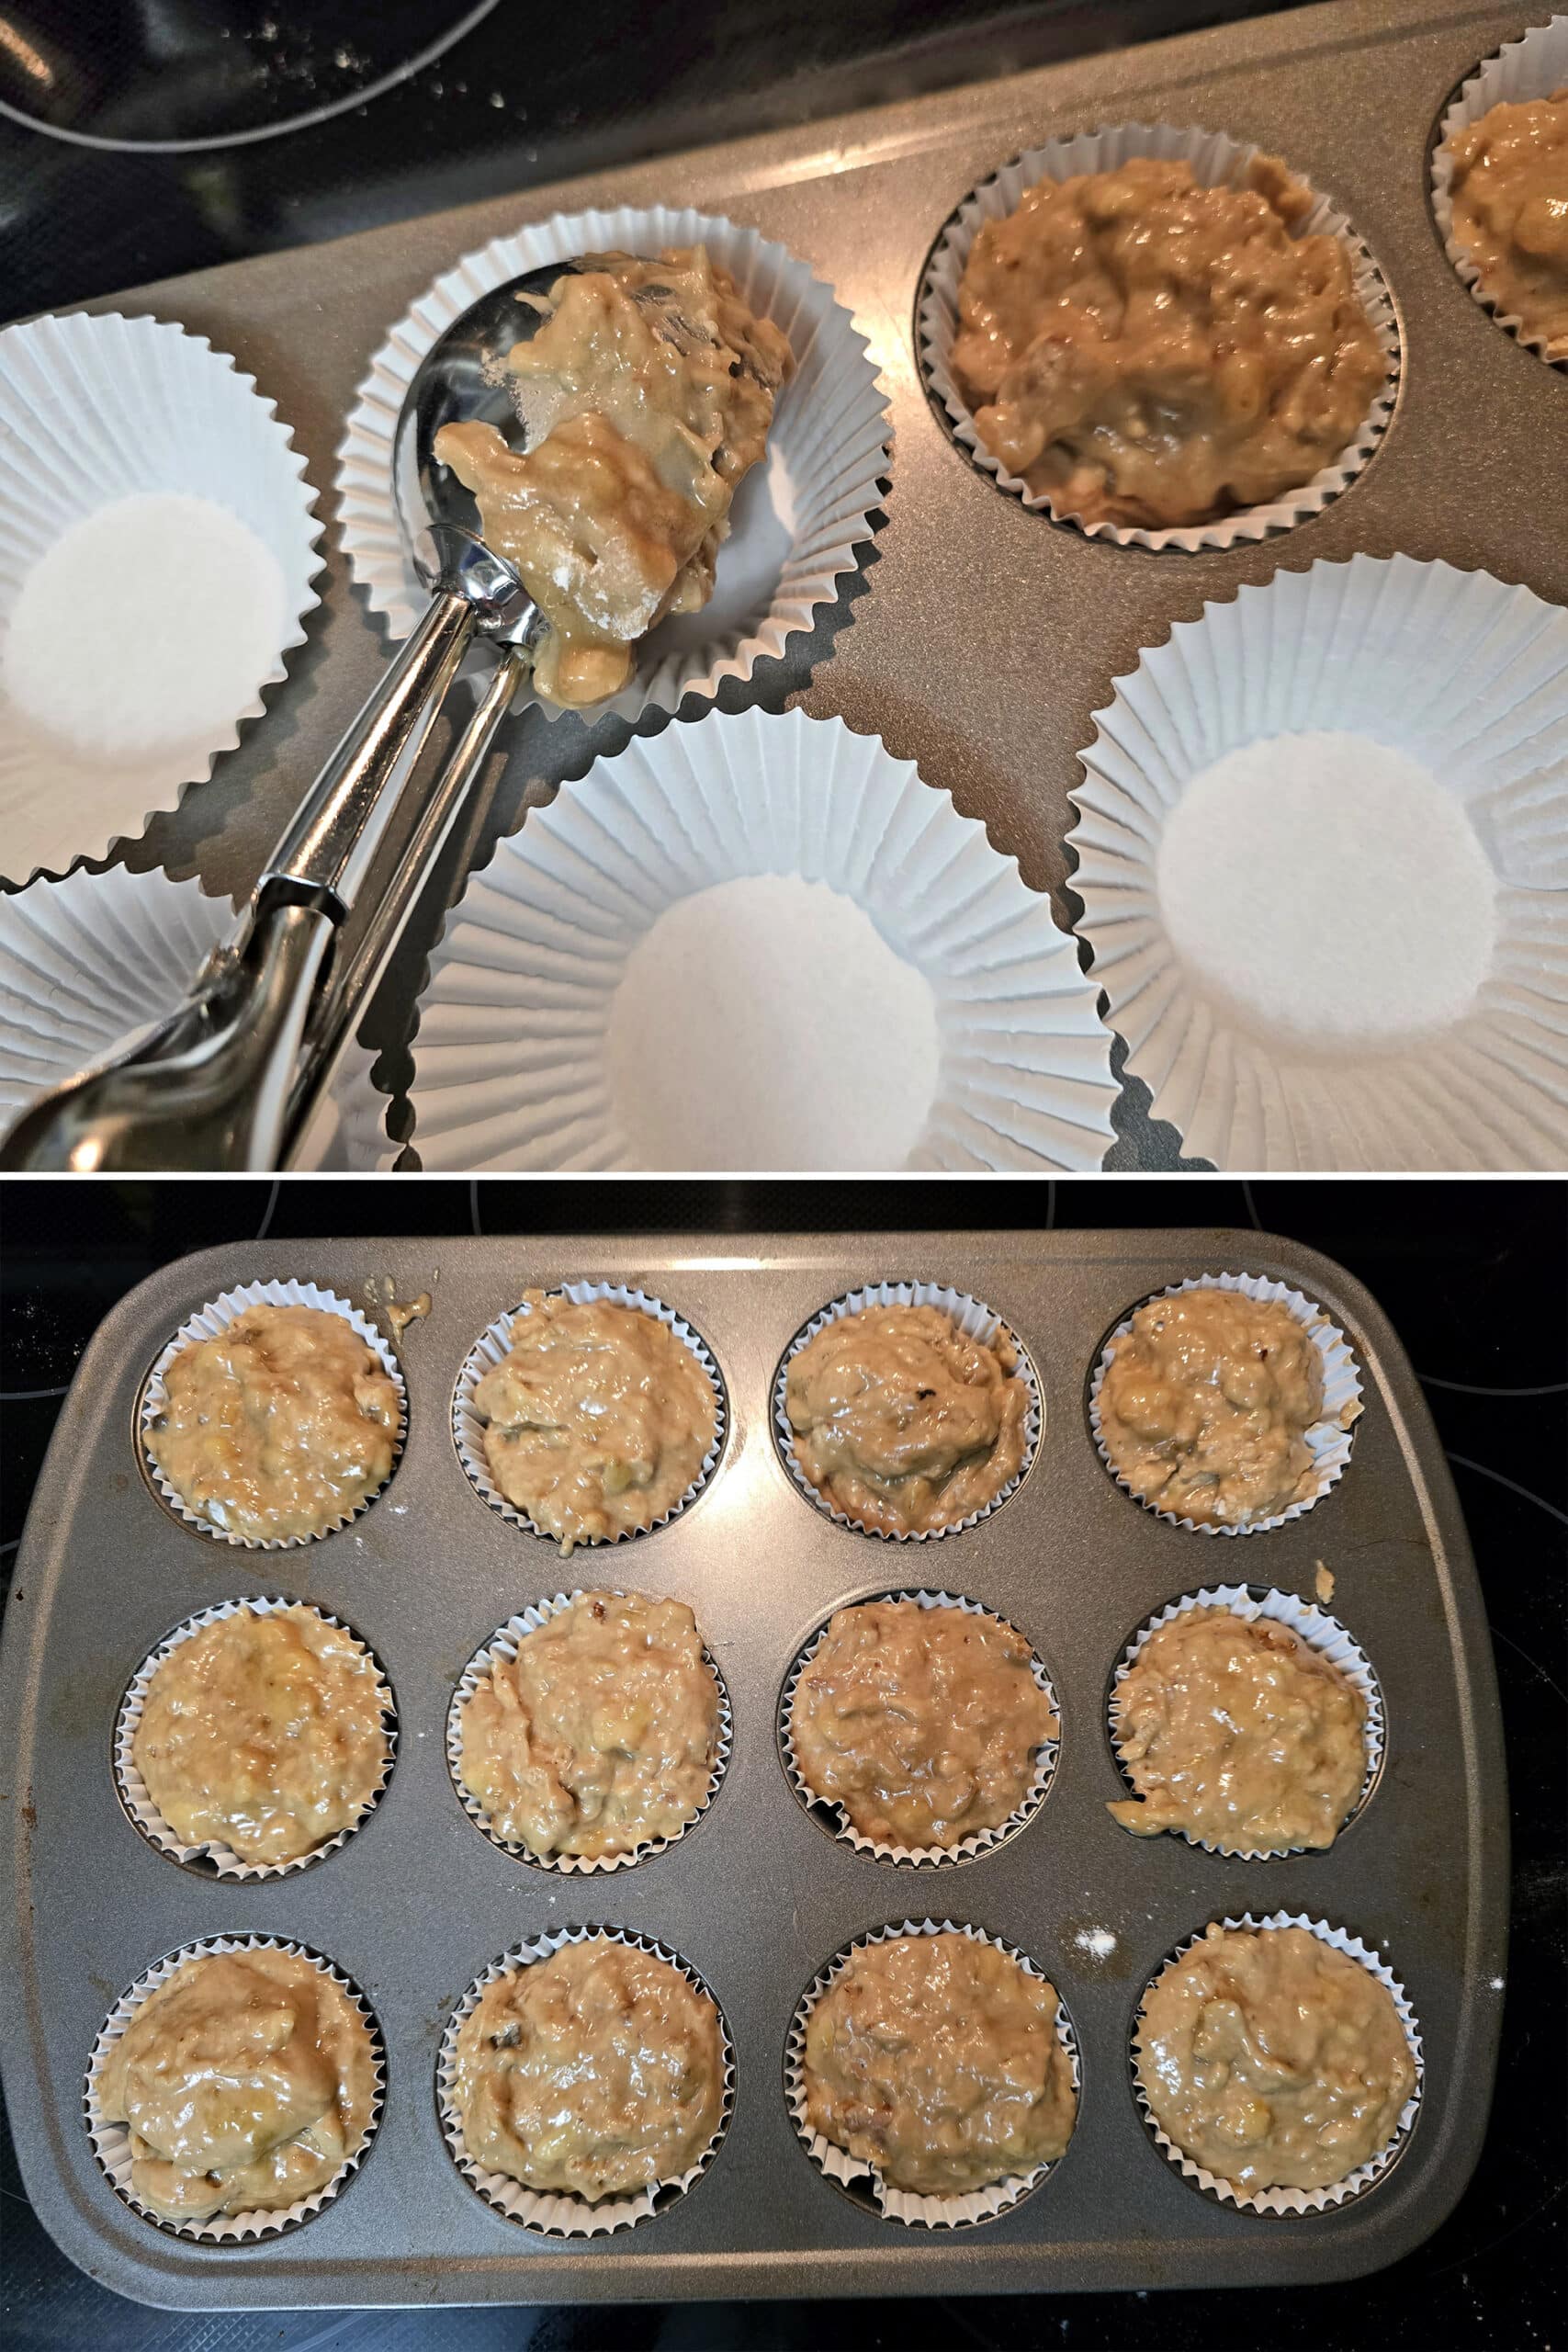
(601, 1735)
(923, 1724)
(598, 2071)
(936, 2060)
(1206, 1406)
(262, 1733)
(599, 1418)
(1510, 211)
(1272, 2060)
(246, 2082)
(1239, 1733)
(902, 1423)
(1142, 349)
(282, 1425)
(646, 396)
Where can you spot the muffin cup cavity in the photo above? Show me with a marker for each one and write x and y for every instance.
(216, 1316)
(835, 1818)
(1321, 1633)
(1217, 160)
(562, 2214)
(1531, 67)
(111, 2142)
(495, 1343)
(1292, 2200)
(861, 2181)
(501, 1649)
(1328, 1438)
(976, 1321)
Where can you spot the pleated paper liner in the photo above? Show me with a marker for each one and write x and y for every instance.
(1467, 678)
(1534, 66)
(1217, 160)
(861, 2181)
(799, 520)
(111, 2142)
(503, 1647)
(1294, 2202)
(92, 410)
(1328, 1438)
(835, 1816)
(216, 1316)
(211, 1855)
(1322, 1633)
(563, 2213)
(511, 1057)
(468, 1427)
(971, 1317)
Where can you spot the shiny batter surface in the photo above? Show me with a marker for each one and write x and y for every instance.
(936, 2060)
(1205, 1405)
(598, 2071)
(902, 1423)
(1510, 211)
(599, 1418)
(246, 2082)
(1272, 2060)
(1148, 351)
(603, 1732)
(262, 1733)
(923, 1724)
(1240, 1733)
(646, 397)
(281, 1425)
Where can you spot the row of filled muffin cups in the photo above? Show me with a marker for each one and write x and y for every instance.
(556, 2211)
(1304, 1812)
(1328, 1439)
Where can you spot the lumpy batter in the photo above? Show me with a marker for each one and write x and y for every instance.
(902, 1423)
(936, 2060)
(601, 1735)
(923, 1724)
(598, 2071)
(282, 1424)
(647, 395)
(246, 2082)
(1206, 1406)
(1148, 351)
(1510, 211)
(1238, 1732)
(1272, 2060)
(262, 1733)
(599, 1418)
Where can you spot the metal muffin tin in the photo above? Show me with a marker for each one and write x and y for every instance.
(754, 1896)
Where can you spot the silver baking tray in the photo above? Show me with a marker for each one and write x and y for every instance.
(757, 1897)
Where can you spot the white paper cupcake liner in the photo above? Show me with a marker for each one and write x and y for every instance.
(971, 1317)
(1321, 1633)
(1292, 2200)
(1328, 1439)
(797, 522)
(469, 1427)
(111, 2142)
(1531, 67)
(216, 1316)
(212, 1855)
(97, 409)
(861, 2179)
(510, 1057)
(503, 1647)
(1467, 677)
(982, 1841)
(562, 2214)
(1217, 160)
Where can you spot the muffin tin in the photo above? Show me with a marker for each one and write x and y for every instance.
(414, 1905)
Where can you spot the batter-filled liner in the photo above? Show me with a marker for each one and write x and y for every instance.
(1534, 66)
